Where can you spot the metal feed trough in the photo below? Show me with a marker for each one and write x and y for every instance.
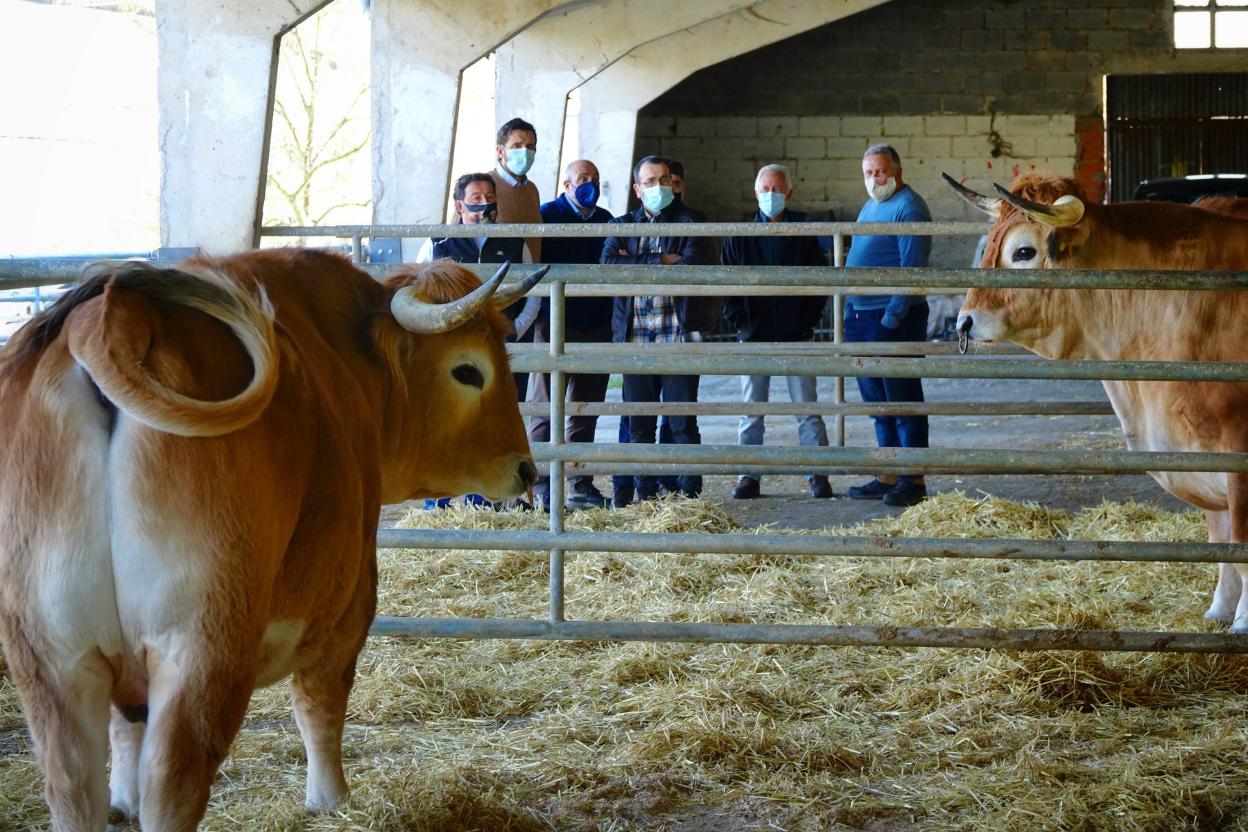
(834, 359)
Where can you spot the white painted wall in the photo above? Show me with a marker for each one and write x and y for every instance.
(539, 67)
(420, 48)
(216, 63)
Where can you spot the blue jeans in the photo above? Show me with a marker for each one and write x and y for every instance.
(865, 325)
(625, 486)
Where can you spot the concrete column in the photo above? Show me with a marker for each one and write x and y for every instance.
(610, 100)
(540, 66)
(420, 49)
(215, 73)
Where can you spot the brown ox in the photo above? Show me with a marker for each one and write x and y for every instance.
(1044, 223)
(169, 543)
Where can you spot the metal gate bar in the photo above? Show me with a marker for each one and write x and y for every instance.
(812, 545)
(984, 638)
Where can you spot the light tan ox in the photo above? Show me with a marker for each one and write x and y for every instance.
(190, 476)
(1120, 324)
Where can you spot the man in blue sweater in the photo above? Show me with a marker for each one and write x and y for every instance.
(890, 317)
(587, 320)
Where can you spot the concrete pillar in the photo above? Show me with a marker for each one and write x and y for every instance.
(610, 100)
(540, 66)
(215, 71)
(420, 49)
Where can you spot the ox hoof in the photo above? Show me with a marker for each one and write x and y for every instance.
(119, 815)
(1214, 614)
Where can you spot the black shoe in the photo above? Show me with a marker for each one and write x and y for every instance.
(906, 493)
(745, 489)
(873, 490)
(819, 487)
(590, 498)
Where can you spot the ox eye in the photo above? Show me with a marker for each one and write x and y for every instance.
(469, 375)
(1024, 253)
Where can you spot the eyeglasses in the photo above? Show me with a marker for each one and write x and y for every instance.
(650, 182)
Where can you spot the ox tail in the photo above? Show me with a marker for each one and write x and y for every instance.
(113, 353)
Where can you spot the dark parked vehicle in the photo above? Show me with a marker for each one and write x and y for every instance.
(1191, 188)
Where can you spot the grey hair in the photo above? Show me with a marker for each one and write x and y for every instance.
(783, 170)
(883, 150)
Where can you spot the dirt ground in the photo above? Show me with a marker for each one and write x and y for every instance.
(784, 499)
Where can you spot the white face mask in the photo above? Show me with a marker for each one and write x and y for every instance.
(880, 192)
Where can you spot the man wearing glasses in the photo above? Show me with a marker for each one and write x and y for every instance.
(658, 319)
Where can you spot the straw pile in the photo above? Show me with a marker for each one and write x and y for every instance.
(514, 735)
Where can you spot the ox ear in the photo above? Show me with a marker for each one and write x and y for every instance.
(415, 315)
(990, 206)
(510, 294)
(1066, 211)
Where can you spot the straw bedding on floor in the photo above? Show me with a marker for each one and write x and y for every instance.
(518, 735)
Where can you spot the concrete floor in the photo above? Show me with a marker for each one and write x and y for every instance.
(785, 500)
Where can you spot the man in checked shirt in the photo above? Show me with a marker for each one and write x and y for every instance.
(659, 319)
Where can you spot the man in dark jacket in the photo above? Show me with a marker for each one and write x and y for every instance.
(658, 319)
(586, 320)
(476, 204)
(787, 318)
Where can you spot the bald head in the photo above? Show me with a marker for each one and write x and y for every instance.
(582, 174)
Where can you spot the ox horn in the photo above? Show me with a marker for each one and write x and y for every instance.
(415, 315)
(986, 204)
(1066, 211)
(510, 294)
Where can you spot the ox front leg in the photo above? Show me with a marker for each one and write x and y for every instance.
(1227, 593)
(319, 695)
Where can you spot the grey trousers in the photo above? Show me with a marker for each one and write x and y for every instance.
(811, 430)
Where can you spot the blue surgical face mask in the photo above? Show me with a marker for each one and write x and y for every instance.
(519, 160)
(771, 204)
(586, 194)
(657, 197)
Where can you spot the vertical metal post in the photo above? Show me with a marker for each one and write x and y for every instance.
(356, 250)
(838, 337)
(557, 384)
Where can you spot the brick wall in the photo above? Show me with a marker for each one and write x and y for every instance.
(982, 89)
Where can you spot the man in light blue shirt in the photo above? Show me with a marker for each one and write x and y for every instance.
(890, 317)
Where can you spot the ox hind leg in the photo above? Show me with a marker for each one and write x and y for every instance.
(1237, 509)
(125, 739)
(195, 708)
(319, 694)
(67, 713)
(1227, 593)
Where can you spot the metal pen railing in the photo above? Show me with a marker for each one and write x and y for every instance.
(835, 360)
